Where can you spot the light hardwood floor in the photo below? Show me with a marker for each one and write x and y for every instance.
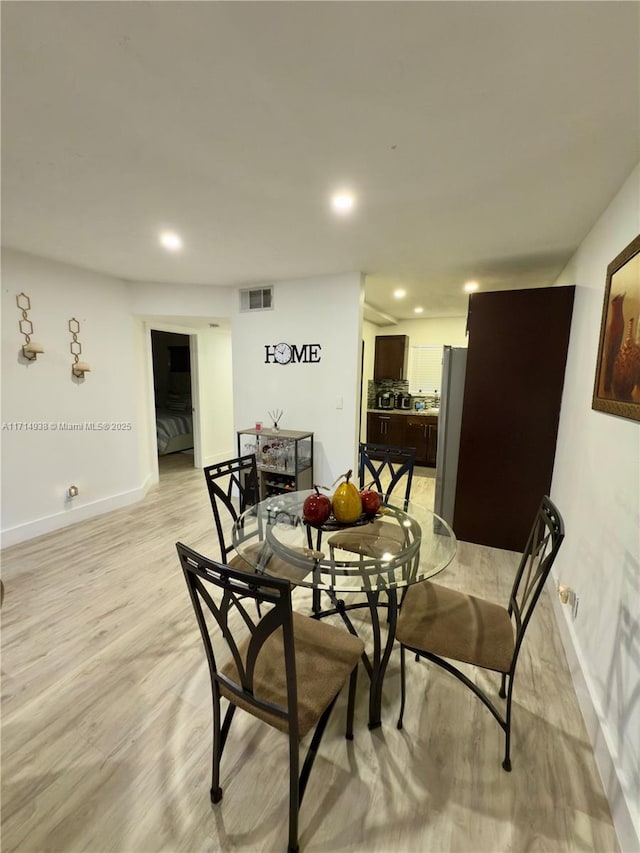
(106, 733)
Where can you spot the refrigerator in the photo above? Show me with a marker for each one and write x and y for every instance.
(454, 365)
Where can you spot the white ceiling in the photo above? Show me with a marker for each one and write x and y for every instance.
(482, 139)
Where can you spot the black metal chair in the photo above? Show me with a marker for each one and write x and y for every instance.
(438, 623)
(233, 487)
(285, 669)
(386, 469)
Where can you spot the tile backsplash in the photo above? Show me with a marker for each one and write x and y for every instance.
(381, 387)
(395, 386)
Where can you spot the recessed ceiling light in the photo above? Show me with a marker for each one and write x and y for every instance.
(470, 286)
(343, 202)
(171, 241)
(399, 293)
(418, 310)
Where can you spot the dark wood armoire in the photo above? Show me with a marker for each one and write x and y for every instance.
(518, 343)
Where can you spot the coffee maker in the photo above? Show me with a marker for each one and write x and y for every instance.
(403, 401)
(385, 400)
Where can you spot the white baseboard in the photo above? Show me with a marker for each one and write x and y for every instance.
(621, 813)
(31, 529)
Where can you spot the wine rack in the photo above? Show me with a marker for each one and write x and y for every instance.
(284, 459)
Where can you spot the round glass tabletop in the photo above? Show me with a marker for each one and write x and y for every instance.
(398, 547)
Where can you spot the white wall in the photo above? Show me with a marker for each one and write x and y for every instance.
(145, 414)
(369, 332)
(433, 331)
(216, 395)
(436, 331)
(111, 468)
(596, 484)
(38, 465)
(325, 311)
(178, 309)
(187, 300)
(211, 383)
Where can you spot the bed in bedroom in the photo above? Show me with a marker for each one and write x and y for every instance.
(174, 419)
(174, 431)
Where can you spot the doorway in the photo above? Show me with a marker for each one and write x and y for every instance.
(173, 400)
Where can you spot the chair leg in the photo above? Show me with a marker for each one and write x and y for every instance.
(502, 693)
(297, 786)
(506, 764)
(353, 683)
(216, 790)
(402, 686)
(294, 793)
(219, 739)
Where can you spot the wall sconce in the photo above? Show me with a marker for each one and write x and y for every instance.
(30, 349)
(78, 368)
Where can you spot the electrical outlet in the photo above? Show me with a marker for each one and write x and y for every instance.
(569, 596)
(574, 610)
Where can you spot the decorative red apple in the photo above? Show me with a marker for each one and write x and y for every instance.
(371, 502)
(316, 508)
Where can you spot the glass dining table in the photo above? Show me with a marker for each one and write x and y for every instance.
(367, 563)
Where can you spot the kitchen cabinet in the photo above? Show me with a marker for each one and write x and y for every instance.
(415, 435)
(385, 429)
(284, 459)
(421, 432)
(518, 343)
(391, 354)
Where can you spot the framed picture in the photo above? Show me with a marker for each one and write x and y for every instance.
(617, 385)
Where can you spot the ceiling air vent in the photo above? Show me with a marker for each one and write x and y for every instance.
(256, 299)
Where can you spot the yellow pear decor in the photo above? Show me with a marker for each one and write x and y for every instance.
(347, 506)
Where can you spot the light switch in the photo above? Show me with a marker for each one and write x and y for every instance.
(339, 403)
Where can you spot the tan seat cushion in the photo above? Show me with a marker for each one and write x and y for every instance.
(325, 658)
(457, 626)
(277, 567)
(371, 540)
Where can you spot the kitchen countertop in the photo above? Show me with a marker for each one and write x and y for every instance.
(428, 412)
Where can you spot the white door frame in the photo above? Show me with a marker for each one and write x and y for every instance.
(175, 328)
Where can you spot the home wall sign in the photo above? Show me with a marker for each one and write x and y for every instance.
(283, 353)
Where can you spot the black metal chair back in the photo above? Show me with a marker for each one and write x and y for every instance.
(539, 554)
(377, 462)
(256, 665)
(233, 486)
(443, 625)
(236, 626)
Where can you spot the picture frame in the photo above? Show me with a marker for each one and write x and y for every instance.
(616, 388)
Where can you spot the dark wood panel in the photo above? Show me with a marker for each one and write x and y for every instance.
(517, 353)
(385, 429)
(390, 360)
(415, 435)
(421, 432)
